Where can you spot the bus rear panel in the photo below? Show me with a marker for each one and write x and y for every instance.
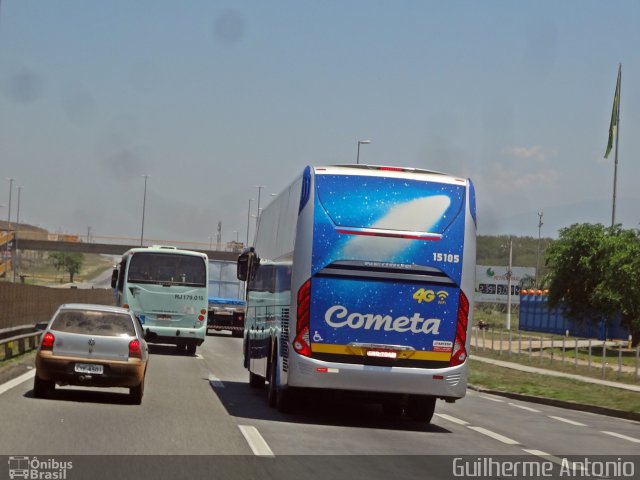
(386, 309)
(166, 288)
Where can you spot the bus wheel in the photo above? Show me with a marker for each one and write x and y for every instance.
(191, 348)
(285, 400)
(392, 407)
(421, 407)
(272, 389)
(255, 381)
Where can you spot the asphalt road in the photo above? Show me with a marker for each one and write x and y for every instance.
(202, 405)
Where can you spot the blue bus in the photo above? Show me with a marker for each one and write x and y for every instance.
(361, 280)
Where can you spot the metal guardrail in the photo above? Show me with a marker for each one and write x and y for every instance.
(18, 340)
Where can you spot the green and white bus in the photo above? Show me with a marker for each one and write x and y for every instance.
(166, 288)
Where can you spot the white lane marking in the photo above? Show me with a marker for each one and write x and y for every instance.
(492, 399)
(258, 445)
(494, 435)
(17, 381)
(619, 435)
(554, 459)
(566, 420)
(451, 419)
(528, 409)
(199, 357)
(215, 381)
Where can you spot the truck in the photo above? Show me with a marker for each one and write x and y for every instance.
(226, 305)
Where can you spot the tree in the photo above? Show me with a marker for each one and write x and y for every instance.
(595, 273)
(69, 262)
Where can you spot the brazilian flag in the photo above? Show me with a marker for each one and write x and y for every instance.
(615, 114)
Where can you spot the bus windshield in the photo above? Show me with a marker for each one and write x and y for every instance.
(167, 269)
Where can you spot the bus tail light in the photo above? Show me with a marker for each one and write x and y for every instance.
(47, 341)
(301, 340)
(459, 353)
(134, 349)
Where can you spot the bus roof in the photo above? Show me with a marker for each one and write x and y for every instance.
(391, 171)
(165, 249)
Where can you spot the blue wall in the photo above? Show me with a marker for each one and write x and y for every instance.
(536, 316)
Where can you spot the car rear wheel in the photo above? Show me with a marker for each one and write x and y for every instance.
(135, 393)
(42, 387)
(191, 348)
(421, 408)
(236, 333)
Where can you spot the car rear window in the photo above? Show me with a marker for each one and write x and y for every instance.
(93, 322)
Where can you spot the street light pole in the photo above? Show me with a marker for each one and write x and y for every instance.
(144, 204)
(248, 221)
(260, 187)
(15, 249)
(6, 250)
(361, 142)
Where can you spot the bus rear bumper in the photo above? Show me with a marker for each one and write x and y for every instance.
(448, 383)
(174, 335)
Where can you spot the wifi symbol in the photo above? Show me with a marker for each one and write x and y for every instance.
(442, 296)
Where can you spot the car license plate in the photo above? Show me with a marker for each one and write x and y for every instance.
(164, 317)
(89, 368)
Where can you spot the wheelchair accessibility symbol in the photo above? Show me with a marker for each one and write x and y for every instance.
(317, 337)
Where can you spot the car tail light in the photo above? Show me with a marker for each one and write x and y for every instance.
(200, 318)
(126, 305)
(203, 311)
(47, 341)
(134, 349)
(301, 341)
(459, 353)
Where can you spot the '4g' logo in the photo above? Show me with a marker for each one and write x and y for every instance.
(423, 295)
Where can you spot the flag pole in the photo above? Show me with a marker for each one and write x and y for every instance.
(615, 163)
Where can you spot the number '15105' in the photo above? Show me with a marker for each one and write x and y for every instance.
(446, 257)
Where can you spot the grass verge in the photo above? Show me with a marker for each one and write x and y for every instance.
(507, 380)
(568, 366)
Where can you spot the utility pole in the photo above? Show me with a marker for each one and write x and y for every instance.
(509, 284)
(540, 214)
(260, 187)
(16, 260)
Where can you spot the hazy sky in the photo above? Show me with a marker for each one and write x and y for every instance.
(211, 98)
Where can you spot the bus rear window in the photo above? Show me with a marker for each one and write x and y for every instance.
(389, 203)
(167, 268)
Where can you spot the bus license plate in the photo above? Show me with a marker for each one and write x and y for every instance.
(89, 368)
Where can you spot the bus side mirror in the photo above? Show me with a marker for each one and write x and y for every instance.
(114, 278)
(247, 264)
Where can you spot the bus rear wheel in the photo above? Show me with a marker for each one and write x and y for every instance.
(421, 408)
(255, 381)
